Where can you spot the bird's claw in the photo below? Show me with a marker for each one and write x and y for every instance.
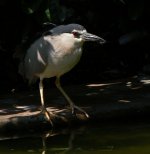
(47, 114)
(78, 108)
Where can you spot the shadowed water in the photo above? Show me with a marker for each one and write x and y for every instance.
(116, 138)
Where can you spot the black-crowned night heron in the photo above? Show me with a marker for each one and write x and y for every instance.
(54, 54)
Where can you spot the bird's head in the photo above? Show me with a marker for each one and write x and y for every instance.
(77, 32)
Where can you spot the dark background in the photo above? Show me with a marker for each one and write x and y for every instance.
(125, 24)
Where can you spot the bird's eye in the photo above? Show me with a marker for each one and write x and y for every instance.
(76, 34)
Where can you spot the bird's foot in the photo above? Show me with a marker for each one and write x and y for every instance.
(73, 107)
(47, 114)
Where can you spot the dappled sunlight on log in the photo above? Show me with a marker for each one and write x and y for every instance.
(109, 100)
(124, 101)
(100, 85)
(145, 81)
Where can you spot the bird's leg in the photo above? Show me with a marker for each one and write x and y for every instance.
(72, 105)
(44, 110)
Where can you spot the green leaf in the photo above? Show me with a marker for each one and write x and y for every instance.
(48, 15)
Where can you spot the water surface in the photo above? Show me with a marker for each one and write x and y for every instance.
(96, 138)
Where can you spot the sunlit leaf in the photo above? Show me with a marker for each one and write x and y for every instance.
(30, 11)
(48, 15)
(31, 6)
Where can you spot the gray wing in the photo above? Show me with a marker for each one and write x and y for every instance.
(36, 59)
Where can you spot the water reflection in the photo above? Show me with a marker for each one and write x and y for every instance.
(94, 139)
(62, 150)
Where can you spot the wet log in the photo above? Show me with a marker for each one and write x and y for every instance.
(125, 99)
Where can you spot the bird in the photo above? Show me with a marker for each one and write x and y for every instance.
(53, 54)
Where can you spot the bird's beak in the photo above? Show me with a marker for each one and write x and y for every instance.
(90, 37)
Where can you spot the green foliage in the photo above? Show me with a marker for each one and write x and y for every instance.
(50, 10)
